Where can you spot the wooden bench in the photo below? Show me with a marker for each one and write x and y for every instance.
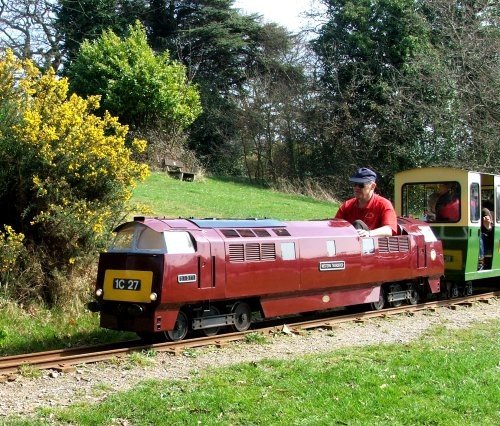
(175, 168)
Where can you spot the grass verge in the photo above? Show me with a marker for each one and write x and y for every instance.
(39, 329)
(449, 377)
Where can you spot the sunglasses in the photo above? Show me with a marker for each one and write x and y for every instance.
(358, 185)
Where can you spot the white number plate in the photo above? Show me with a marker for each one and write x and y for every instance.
(126, 284)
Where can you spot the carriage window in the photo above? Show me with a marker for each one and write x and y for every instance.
(432, 202)
(474, 202)
(179, 242)
(497, 204)
(487, 198)
(138, 237)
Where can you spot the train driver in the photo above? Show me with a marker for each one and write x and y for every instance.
(371, 214)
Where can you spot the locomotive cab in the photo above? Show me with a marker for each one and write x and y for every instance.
(451, 201)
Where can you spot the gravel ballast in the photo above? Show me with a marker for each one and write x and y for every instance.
(94, 382)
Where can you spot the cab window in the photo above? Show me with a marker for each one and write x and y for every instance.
(124, 239)
(140, 238)
(147, 239)
(137, 237)
(179, 242)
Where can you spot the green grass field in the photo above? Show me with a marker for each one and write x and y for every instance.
(449, 377)
(223, 198)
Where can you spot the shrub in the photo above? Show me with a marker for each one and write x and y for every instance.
(11, 245)
(65, 173)
(137, 85)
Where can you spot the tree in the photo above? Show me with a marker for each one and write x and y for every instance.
(467, 35)
(216, 44)
(145, 90)
(408, 84)
(27, 28)
(270, 109)
(65, 174)
(375, 57)
(80, 20)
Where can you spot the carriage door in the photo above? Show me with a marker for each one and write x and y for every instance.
(475, 185)
(496, 225)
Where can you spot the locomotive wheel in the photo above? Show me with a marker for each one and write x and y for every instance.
(242, 316)
(413, 300)
(454, 292)
(181, 328)
(468, 289)
(397, 303)
(212, 331)
(380, 303)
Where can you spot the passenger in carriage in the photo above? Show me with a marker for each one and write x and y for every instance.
(447, 204)
(486, 239)
(371, 214)
(430, 213)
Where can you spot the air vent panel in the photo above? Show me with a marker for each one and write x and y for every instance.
(252, 252)
(230, 233)
(393, 244)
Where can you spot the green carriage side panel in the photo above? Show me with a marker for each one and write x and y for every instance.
(461, 250)
(461, 237)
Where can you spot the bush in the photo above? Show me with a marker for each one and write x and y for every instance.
(65, 174)
(137, 85)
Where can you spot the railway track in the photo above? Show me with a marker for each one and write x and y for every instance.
(66, 359)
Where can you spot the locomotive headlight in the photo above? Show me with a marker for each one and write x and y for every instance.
(433, 254)
(98, 292)
(153, 297)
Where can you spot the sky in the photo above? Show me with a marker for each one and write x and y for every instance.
(284, 12)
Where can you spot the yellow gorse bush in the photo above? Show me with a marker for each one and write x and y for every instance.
(68, 138)
(11, 245)
(65, 173)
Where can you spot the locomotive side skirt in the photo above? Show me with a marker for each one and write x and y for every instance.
(286, 305)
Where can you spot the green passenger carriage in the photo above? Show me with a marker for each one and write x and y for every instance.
(417, 195)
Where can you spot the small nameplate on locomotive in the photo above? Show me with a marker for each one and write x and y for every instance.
(126, 284)
(186, 278)
(332, 266)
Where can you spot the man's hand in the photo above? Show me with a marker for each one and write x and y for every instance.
(363, 233)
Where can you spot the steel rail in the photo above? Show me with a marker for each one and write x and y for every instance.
(65, 359)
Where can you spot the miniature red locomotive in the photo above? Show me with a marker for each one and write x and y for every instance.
(170, 276)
